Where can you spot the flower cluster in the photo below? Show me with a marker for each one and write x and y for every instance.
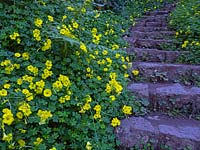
(44, 115)
(15, 36)
(87, 105)
(127, 110)
(96, 37)
(97, 115)
(36, 34)
(47, 45)
(115, 122)
(64, 83)
(64, 30)
(7, 116)
(38, 22)
(113, 85)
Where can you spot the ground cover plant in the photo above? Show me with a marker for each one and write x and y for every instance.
(185, 20)
(63, 75)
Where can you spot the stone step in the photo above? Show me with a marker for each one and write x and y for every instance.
(154, 55)
(173, 73)
(151, 24)
(149, 43)
(150, 29)
(159, 130)
(158, 18)
(158, 12)
(152, 35)
(168, 96)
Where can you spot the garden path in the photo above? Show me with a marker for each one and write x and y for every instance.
(167, 85)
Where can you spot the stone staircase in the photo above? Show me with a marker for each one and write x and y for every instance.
(167, 86)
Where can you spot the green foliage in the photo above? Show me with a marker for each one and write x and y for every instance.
(185, 20)
(63, 75)
(137, 8)
(59, 61)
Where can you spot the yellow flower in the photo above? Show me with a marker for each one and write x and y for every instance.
(105, 52)
(97, 116)
(21, 143)
(64, 17)
(184, 45)
(135, 72)
(19, 115)
(47, 93)
(17, 54)
(70, 8)
(36, 34)
(19, 81)
(48, 64)
(123, 59)
(177, 33)
(86, 106)
(117, 55)
(18, 40)
(67, 97)
(17, 66)
(25, 55)
(46, 73)
(112, 98)
(88, 146)
(25, 108)
(66, 31)
(50, 18)
(83, 10)
(22, 130)
(83, 47)
(105, 69)
(65, 80)
(61, 100)
(8, 137)
(57, 85)
(126, 75)
(124, 66)
(7, 117)
(3, 92)
(44, 115)
(47, 45)
(115, 46)
(88, 69)
(53, 148)
(38, 22)
(98, 78)
(75, 25)
(38, 141)
(14, 36)
(97, 108)
(115, 122)
(127, 110)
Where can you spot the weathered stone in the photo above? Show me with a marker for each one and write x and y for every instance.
(140, 89)
(151, 24)
(150, 43)
(151, 35)
(160, 72)
(168, 96)
(150, 29)
(159, 129)
(154, 55)
(158, 12)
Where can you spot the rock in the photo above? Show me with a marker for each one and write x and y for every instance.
(169, 96)
(175, 73)
(159, 130)
(154, 55)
